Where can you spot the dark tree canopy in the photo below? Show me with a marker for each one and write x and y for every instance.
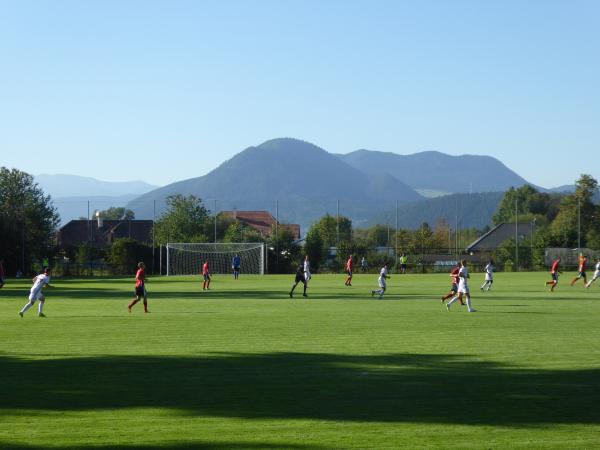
(28, 222)
(117, 213)
(186, 220)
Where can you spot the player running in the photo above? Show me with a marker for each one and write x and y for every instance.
(206, 276)
(581, 270)
(489, 276)
(554, 273)
(454, 285)
(463, 287)
(236, 262)
(383, 276)
(596, 274)
(299, 279)
(349, 267)
(306, 268)
(140, 288)
(39, 283)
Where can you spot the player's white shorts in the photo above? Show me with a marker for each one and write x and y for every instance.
(463, 288)
(489, 277)
(382, 283)
(307, 276)
(596, 274)
(33, 296)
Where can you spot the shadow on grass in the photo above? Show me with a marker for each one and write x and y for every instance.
(382, 388)
(194, 445)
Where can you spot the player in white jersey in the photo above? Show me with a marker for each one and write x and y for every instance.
(383, 276)
(596, 274)
(489, 276)
(39, 283)
(307, 275)
(463, 287)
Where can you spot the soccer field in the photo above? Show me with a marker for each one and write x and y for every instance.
(244, 366)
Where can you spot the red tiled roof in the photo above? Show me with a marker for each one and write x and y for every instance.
(261, 221)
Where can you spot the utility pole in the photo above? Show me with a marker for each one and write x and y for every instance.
(396, 240)
(517, 234)
(153, 223)
(215, 221)
(579, 224)
(337, 226)
(277, 235)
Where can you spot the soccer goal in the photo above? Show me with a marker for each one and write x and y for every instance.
(187, 258)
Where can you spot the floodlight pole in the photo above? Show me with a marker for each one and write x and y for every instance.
(153, 242)
(215, 220)
(337, 226)
(277, 235)
(517, 234)
(396, 240)
(579, 224)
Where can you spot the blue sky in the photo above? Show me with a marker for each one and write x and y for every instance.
(167, 90)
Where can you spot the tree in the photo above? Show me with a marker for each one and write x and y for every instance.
(28, 221)
(327, 227)
(117, 213)
(125, 253)
(186, 220)
(314, 247)
(285, 253)
(577, 213)
(324, 234)
(529, 203)
(240, 232)
(379, 236)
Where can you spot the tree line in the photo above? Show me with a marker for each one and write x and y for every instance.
(29, 220)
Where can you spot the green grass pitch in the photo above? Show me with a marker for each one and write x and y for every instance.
(244, 366)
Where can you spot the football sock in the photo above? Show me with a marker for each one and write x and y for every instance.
(133, 302)
(41, 307)
(26, 307)
(454, 299)
(145, 306)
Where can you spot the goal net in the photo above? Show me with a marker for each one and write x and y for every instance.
(187, 258)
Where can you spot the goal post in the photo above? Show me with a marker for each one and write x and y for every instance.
(187, 258)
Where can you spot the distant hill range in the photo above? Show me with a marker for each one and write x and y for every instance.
(458, 210)
(300, 182)
(61, 185)
(434, 173)
(74, 195)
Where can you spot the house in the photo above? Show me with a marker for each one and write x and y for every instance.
(101, 232)
(261, 221)
(491, 240)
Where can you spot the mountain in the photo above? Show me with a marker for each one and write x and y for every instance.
(433, 173)
(469, 210)
(70, 208)
(72, 194)
(304, 179)
(61, 185)
(564, 189)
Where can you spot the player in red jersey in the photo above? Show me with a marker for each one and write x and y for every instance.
(581, 269)
(554, 272)
(454, 286)
(140, 287)
(206, 276)
(349, 267)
